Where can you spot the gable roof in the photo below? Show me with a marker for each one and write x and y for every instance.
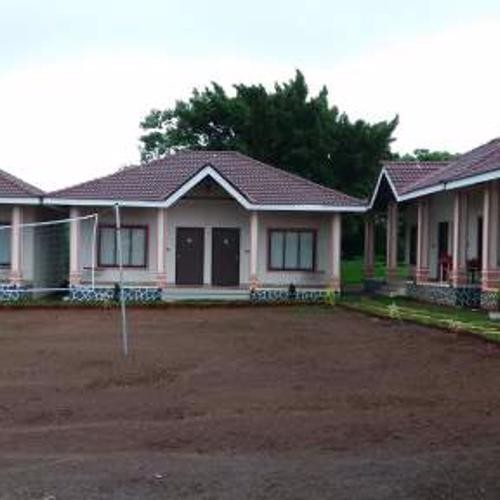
(402, 175)
(16, 190)
(409, 180)
(162, 182)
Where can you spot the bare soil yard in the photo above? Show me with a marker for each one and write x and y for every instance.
(292, 402)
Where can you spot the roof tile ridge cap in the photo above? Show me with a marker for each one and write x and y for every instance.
(98, 179)
(299, 177)
(25, 186)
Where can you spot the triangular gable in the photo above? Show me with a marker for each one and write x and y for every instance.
(208, 171)
(383, 176)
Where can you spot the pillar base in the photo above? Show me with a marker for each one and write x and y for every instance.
(458, 277)
(490, 279)
(254, 282)
(421, 275)
(75, 279)
(15, 278)
(335, 284)
(391, 274)
(161, 280)
(368, 271)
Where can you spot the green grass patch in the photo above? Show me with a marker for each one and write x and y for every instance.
(456, 320)
(352, 271)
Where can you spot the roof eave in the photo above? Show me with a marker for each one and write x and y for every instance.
(452, 184)
(206, 171)
(20, 200)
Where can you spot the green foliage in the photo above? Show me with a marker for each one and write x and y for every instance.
(285, 127)
(453, 320)
(330, 298)
(425, 155)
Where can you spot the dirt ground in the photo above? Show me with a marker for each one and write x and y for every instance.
(237, 403)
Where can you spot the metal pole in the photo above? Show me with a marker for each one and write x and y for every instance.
(122, 292)
(94, 249)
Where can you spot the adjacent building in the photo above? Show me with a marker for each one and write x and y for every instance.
(447, 214)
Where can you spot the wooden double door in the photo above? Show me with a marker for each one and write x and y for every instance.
(190, 256)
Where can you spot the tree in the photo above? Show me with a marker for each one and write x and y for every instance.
(422, 154)
(284, 127)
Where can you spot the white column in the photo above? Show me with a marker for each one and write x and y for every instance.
(459, 271)
(422, 270)
(369, 247)
(75, 275)
(335, 251)
(161, 217)
(254, 249)
(16, 274)
(490, 276)
(392, 241)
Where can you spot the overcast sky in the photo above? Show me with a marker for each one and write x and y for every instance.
(76, 77)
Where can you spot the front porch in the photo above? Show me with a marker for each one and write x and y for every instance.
(448, 242)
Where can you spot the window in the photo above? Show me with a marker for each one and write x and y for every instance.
(292, 249)
(134, 246)
(4, 245)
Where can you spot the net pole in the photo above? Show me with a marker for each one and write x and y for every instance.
(122, 292)
(94, 249)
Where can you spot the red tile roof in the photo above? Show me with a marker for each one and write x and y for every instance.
(480, 160)
(13, 187)
(257, 182)
(404, 174)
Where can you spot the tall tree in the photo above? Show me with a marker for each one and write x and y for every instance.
(285, 127)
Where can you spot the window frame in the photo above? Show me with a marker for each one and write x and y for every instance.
(7, 265)
(312, 231)
(144, 227)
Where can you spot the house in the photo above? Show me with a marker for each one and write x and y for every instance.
(19, 256)
(450, 215)
(204, 220)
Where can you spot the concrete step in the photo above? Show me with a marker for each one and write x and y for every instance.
(394, 289)
(201, 294)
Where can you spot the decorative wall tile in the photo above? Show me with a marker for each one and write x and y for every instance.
(12, 293)
(466, 296)
(280, 295)
(107, 294)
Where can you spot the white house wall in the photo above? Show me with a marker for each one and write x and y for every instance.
(29, 214)
(287, 220)
(5, 218)
(440, 210)
(89, 244)
(209, 214)
(410, 216)
(475, 202)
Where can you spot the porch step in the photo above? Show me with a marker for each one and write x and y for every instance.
(393, 289)
(204, 294)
